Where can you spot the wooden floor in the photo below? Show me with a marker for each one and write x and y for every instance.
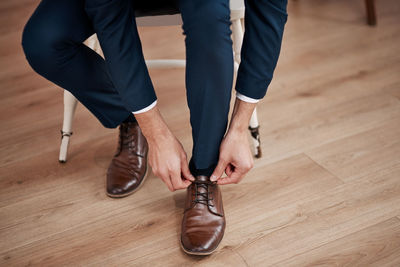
(326, 192)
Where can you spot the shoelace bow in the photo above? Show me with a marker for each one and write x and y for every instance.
(202, 197)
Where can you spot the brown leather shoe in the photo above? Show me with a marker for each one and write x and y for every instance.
(203, 223)
(128, 168)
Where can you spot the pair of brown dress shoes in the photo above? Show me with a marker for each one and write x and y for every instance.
(203, 223)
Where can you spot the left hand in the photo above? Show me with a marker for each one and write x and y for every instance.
(235, 158)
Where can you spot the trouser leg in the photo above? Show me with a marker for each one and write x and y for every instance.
(115, 25)
(264, 25)
(209, 77)
(53, 44)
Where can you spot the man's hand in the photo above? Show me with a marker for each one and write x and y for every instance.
(167, 157)
(169, 162)
(235, 157)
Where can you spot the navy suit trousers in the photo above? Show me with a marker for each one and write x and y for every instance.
(112, 88)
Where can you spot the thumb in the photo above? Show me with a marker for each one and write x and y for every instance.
(219, 170)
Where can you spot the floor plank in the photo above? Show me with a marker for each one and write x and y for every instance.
(377, 245)
(326, 217)
(325, 192)
(353, 157)
(92, 212)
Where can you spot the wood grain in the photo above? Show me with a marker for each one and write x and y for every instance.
(354, 156)
(377, 245)
(326, 192)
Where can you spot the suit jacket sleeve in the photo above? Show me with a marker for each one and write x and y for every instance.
(114, 23)
(264, 25)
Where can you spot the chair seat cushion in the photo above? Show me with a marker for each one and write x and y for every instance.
(145, 8)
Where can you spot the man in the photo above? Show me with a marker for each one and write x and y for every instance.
(119, 91)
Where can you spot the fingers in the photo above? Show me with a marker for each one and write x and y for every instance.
(186, 183)
(176, 173)
(167, 181)
(236, 172)
(235, 177)
(219, 170)
(164, 176)
(174, 181)
(178, 182)
(185, 170)
(172, 177)
(229, 170)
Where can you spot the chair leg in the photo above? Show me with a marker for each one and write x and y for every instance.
(255, 134)
(165, 63)
(70, 103)
(237, 39)
(371, 12)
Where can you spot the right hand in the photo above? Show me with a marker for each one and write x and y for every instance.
(166, 155)
(169, 162)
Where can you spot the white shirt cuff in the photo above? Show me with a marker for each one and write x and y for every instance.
(246, 98)
(146, 108)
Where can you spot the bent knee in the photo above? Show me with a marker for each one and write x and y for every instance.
(39, 43)
(211, 18)
(211, 12)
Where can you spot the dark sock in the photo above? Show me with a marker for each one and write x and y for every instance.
(130, 118)
(195, 172)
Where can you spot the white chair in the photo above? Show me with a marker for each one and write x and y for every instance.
(237, 17)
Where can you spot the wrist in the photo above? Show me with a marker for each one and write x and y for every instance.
(238, 126)
(241, 115)
(152, 125)
(237, 132)
(158, 134)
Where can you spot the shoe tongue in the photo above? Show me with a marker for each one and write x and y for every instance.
(202, 178)
(129, 129)
(129, 125)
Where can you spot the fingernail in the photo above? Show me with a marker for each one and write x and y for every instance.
(213, 178)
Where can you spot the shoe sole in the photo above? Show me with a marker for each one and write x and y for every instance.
(198, 253)
(133, 191)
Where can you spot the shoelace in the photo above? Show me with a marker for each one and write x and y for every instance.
(126, 140)
(202, 198)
